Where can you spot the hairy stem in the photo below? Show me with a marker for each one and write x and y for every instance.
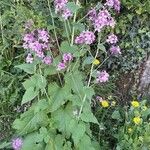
(53, 23)
(74, 20)
(89, 81)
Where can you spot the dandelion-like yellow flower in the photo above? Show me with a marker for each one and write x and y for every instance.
(96, 62)
(137, 120)
(104, 103)
(135, 104)
(129, 130)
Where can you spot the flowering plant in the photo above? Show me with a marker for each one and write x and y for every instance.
(59, 90)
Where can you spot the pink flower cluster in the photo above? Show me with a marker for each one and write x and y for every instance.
(60, 7)
(67, 57)
(113, 4)
(115, 50)
(37, 42)
(113, 39)
(101, 19)
(86, 37)
(17, 144)
(102, 76)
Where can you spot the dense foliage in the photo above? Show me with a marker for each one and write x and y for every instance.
(55, 90)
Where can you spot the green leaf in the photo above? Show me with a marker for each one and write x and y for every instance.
(88, 60)
(72, 7)
(32, 141)
(85, 143)
(62, 118)
(29, 95)
(89, 92)
(30, 122)
(37, 81)
(75, 82)
(67, 146)
(28, 68)
(40, 81)
(146, 113)
(58, 95)
(41, 105)
(88, 116)
(116, 115)
(50, 70)
(4, 145)
(78, 132)
(102, 47)
(66, 48)
(79, 26)
(33, 85)
(55, 143)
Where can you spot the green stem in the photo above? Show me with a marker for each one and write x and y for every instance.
(53, 23)
(89, 81)
(73, 29)
(66, 28)
(55, 65)
(69, 26)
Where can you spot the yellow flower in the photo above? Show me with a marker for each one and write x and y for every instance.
(129, 130)
(137, 120)
(96, 62)
(113, 103)
(135, 104)
(104, 103)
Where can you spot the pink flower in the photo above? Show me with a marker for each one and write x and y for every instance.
(109, 3)
(29, 58)
(44, 46)
(43, 35)
(113, 4)
(61, 66)
(67, 57)
(25, 45)
(66, 13)
(47, 60)
(115, 50)
(117, 5)
(60, 7)
(111, 22)
(102, 20)
(89, 37)
(92, 14)
(29, 38)
(39, 54)
(17, 144)
(79, 40)
(60, 4)
(112, 39)
(102, 76)
(37, 41)
(35, 46)
(86, 37)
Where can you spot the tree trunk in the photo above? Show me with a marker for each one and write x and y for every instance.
(144, 84)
